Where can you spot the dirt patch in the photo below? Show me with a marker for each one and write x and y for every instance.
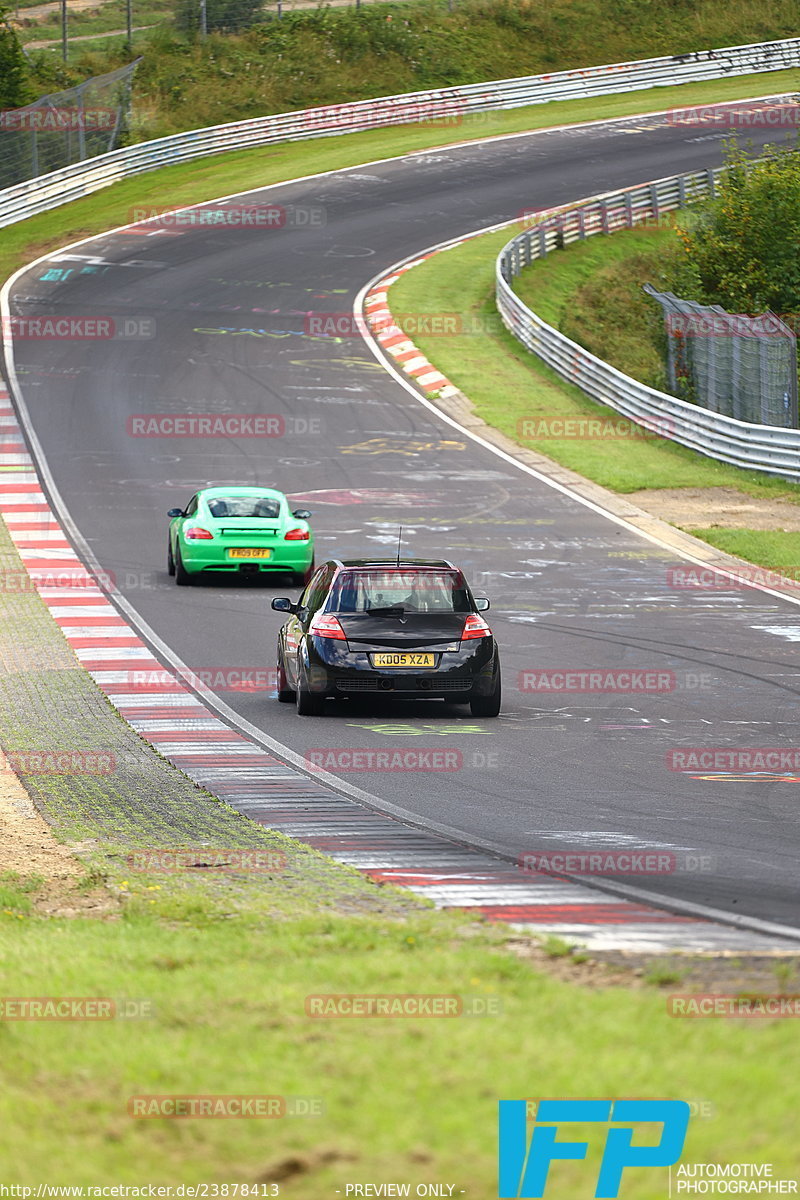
(717, 508)
(719, 974)
(28, 848)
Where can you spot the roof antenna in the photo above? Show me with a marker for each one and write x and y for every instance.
(399, 538)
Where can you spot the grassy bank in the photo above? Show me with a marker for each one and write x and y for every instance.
(593, 293)
(330, 55)
(510, 386)
(221, 969)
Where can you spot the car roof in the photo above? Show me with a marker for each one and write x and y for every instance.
(252, 489)
(387, 563)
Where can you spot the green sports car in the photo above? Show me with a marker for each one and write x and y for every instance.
(246, 530)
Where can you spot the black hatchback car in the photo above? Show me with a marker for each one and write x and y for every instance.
(409, 630)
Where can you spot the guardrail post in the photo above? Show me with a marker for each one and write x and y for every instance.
(581, 224)
(628, 210)
(604, 216)
(712, 183)
(681, 191)
(654, 201)
(542, 243)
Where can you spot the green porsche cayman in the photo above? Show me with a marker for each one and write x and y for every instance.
(242, 530)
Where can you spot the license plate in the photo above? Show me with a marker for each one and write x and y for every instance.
(241, 552)
(403, 660)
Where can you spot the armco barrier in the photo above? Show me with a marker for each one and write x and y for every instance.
(754, 447)
(49, 191)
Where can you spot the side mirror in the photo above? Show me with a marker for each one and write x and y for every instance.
(283, 604)
(302, 514)
(481, 604)
(175, 512)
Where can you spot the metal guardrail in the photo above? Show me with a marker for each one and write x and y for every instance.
(753, 447)
(447, 105)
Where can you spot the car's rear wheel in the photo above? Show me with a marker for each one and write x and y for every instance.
(182, 576)
(285, 693)
(170, 559)
(309, 704)
(487, 706)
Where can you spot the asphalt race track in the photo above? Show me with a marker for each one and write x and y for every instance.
(569, 588)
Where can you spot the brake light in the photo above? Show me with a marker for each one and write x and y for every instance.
(196, 533)
(327, 627)
(296, 535)
(475, 627)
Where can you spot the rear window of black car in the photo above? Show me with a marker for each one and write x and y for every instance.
(373, 589)
(244, 506)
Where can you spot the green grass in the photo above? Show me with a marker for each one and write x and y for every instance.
(404, 1099)
(95, 20)
(327, 56)
(15, 893)
(509, 386)
(592, 293)
(776, 549)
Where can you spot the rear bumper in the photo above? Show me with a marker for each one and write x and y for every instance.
(288, 556)
(335, 671)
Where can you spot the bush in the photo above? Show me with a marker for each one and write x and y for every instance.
(744, 252)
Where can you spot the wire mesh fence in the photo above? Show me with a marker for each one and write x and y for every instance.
(58, 130)
(743, 367)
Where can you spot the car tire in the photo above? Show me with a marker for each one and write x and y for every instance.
(309, 704)
(170, 559)
(182, 576)
(302, 578)
(487, 706)
(286, 694)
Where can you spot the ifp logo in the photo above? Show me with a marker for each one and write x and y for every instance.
(524, 1166)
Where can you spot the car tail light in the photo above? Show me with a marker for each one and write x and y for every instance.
(475, 627)
(197, 533)
(296, 535)
(327, 627)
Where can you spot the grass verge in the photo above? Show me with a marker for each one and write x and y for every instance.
(511, 388)
(221, 969)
